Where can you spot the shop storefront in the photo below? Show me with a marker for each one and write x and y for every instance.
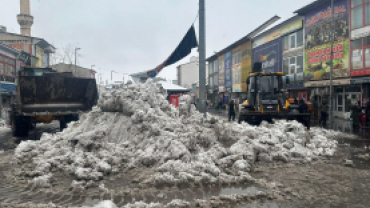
(344, 95)
(365, 90)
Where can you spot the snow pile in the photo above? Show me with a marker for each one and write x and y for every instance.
(135, 127)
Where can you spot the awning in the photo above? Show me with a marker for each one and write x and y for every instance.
(360, 80)
(325, 83)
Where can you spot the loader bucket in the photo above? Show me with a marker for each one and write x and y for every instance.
(56, 94)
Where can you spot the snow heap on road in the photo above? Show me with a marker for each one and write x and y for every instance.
(135, 127)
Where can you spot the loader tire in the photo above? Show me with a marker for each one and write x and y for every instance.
(20, 126)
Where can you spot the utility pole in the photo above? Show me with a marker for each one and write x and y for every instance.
(331, 65)
(202, 58)
(76, 49)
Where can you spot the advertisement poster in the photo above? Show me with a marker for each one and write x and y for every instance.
(228, 78)
(236, 70)
(278, 33)
(317, 46)
(40, 55)
(221, 74)
(269, 55)
(246, 67)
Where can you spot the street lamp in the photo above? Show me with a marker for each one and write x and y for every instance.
(76, 49)
(111, 75)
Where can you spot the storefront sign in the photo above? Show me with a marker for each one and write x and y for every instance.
(246, 67)
(291, 28)
(236, 71)
(221, 74)
(360, 33)
(317, 45)
(228, 73)
(23, 57)
(270, 56)
(278, 33)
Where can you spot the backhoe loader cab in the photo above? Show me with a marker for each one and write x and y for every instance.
(267, 100)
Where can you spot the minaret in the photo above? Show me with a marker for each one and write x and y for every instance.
(25, 19)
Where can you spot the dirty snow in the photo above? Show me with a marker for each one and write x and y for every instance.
(135, 127)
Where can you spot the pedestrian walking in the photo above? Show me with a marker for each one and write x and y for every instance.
(219, 104)
(303, 108)
(324, 113)
(355, 115)
(363, 119)
(232, 110)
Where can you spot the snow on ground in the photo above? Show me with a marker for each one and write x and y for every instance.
(135, 127)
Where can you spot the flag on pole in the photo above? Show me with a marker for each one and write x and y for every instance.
(183, 49)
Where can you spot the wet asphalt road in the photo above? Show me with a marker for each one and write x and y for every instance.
(7, 142)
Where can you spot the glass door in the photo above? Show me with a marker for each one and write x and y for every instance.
(339, 103)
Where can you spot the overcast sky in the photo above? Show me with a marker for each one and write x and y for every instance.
(135, 35)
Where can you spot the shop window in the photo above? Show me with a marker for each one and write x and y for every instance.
(357, 17)
(285, 43)
(356, 43)
(210, 70)
(299, 64)
(292, 41)
(360, 13)
(353, 88)
(215, 80)
(356, 3)
(361, 53)
(367, 14)
(286, 67)
(300, 38)
(293, 65)
(357, 59)
(367, 57)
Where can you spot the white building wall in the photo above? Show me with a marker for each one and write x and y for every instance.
(188, 73)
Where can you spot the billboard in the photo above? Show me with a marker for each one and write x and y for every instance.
(278, 33)
(228, 78)
(270, 55)
(246, 65)
(236, 70)
(40, 56)
(221, 74)
(317, 45)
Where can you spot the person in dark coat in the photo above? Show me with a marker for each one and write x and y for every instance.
(232, 110)
(303, 108)
(324, 113)
(356, 111)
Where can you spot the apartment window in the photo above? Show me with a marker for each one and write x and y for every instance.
(360, 52)
(215, 66)
(210, 66)
(215, 80)
(236, 57)
(286, 66)
(360, 13)
(293, 40)
(293, 65)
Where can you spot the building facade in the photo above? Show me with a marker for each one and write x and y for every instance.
(360, 48)
(188, 73)
(77, 72)
(39, 49)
